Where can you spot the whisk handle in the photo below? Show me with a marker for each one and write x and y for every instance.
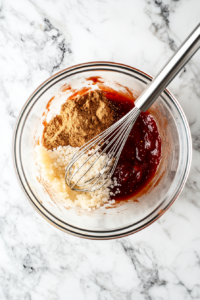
(170, 70)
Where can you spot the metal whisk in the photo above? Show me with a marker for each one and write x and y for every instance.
(108, 145)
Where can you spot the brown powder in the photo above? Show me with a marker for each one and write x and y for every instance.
(80, 119)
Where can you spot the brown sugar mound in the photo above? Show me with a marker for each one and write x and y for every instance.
(80, 119)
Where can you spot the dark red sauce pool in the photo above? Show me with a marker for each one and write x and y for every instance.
(141, 154)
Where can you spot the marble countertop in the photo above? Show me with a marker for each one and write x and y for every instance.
(37, 261)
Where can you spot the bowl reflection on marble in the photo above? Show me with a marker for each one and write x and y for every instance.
(130, 216)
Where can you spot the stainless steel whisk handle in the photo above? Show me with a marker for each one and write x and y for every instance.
(170, 70)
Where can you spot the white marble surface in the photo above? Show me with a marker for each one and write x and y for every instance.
(37, 261)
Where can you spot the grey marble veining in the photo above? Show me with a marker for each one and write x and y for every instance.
(37, 39)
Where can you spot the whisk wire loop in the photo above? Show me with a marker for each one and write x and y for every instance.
(109, 144)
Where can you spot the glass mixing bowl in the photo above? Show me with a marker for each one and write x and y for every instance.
(127, 217)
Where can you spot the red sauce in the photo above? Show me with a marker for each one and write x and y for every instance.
(79, 92)
(49, 103)
(141, 154)
(95, 79)
(66, 87)
(44, 123)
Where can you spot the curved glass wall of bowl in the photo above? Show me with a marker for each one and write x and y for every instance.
(124, 219)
